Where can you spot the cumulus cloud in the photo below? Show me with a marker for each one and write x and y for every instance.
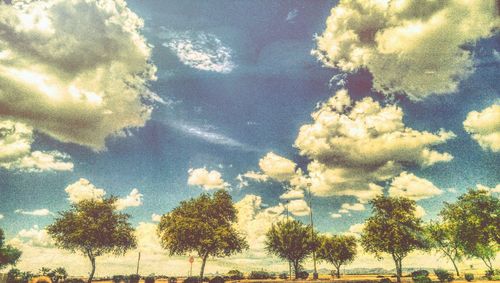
(131, 200)
(202, 51)
(495, 189)
(335, 215)
(413, 187)
(484, 127)
(408, 46)
(355, 145)
(353, 207)
(243, 179)
(34, 236)
(74, 70)
(293, 194)
(420, 211)
(36, 212)
(16, 152)
(208, 180)
(277, 167)
(298, 207)
(155, 217)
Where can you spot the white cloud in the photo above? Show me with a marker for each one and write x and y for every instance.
(335, 215)
(293, 194)
(353, 207)
(484, 127)
(16, 153)
(277, 167)
(250, 175)
(155, 217)
(36, 212)
(1, 216)
(131, 200)
(355, 230)
(420, 211)
(61, 77)
(343, 211)
(208, 180)
(408, 46)
(495, 189)
(202, 51)
(413, 187)
(355, 145)
(34, 236)
(298, 207)
(84, 190)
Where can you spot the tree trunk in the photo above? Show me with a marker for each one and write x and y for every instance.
(456, 267)
(296, 269)
(338, 271)
(92, 262)
(397, 262)
(205, 256)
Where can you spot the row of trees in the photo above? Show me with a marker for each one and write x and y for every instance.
(205, 226)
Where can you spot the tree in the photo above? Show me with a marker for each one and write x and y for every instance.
(475, 218)
(337, 250)
(393, 228)
(94, 228)
(443, 238)
(203, 225)
(8, 254)
(291, 240)
(58, 274)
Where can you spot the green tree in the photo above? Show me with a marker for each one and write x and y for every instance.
(393, 228)
(94, 228)
(8, 254)
(444, 239)
(292, 241)
(204, 225)
(337, 250)
(475, 218)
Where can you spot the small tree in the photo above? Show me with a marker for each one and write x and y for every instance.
(94, 228)
(337, 250)
(203, 225)
(475, 218)
(292, 241)
(8, 254)
(393, 228)
(444, 239)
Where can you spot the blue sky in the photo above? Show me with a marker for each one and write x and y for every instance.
(260, 85)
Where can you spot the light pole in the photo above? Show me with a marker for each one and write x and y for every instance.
(289, 263)
(315, 274)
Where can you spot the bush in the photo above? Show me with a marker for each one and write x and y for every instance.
(174, 279)
(303, 275)
(259, 275)
(192, 279)
(149, 279)
(443, 275)
(134, 278)
(235, 274)
(283, 276)
(385, 280)
(217, 279)
(469, 277)
(420, 276)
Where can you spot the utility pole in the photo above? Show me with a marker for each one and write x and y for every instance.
(315, 274)
(289, 263)
(138, 260)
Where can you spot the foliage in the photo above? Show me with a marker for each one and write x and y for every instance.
(235, 274)
(421, 276)
(337, 250)
(217, 279)
(475, 218)
(283, 275)
(259, 275)
(445, 239)
(469, 277)
(385, 280)
(303, 274)
(203, 225)
(174, 279)
(193, 279)
(8, 254)
(119, 278)
(489, 274)
(94, 228)
(292, 241)
(134, 278)
(149, 279)
(57, 274)
(443, 275)
(16, 276)
(393, 228)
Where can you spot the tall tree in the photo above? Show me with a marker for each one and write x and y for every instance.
(337, 250)
(8, 254)
(475, 217)
(94, 228)
(393, 228)
(204, 225)
(291, 240)
(444, 239)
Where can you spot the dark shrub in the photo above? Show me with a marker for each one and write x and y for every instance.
(443, 275)
(119, 278)
(217, 279)
(303, 275)
(235, 275)
(420, 276)
(489, 274)
(174, 279)
(149, 279)
(192, 279)
(259, 275)
(469, 277)
(74, 280)
(283, 276)
(385, 280)
(134, 278)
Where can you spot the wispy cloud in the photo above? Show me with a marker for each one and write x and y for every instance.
(290, 17)
(36, 212)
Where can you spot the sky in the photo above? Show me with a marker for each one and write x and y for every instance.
(156, 102)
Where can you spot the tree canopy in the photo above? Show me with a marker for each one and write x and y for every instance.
(291, 240)
(8, 254)
(393, 228)
(337, 250)
(443, 238)
(94, 228)
(203, 225)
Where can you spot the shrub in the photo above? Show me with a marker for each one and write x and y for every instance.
(192, 279)
(134, 278)
(385, 280)
(469, 277)
(259, 275)
(420, 276)
(217, 279)
(235, 274)
(149, 279)
(489, 274)
(174, 279)
(119, 278)
(443, 275)
(283, 276)
(303, 275)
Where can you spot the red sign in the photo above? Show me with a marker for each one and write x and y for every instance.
(191, 259)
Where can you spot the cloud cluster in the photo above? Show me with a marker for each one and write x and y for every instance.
(75, 70)
(208, 180)
(355, 145)
(410, 186)
(484, 127)
(298, 207)
(202, 51)
(495, 189)
(16, 152)
(408, 46)
(34, 237)
(83, 189)
(292, 194)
